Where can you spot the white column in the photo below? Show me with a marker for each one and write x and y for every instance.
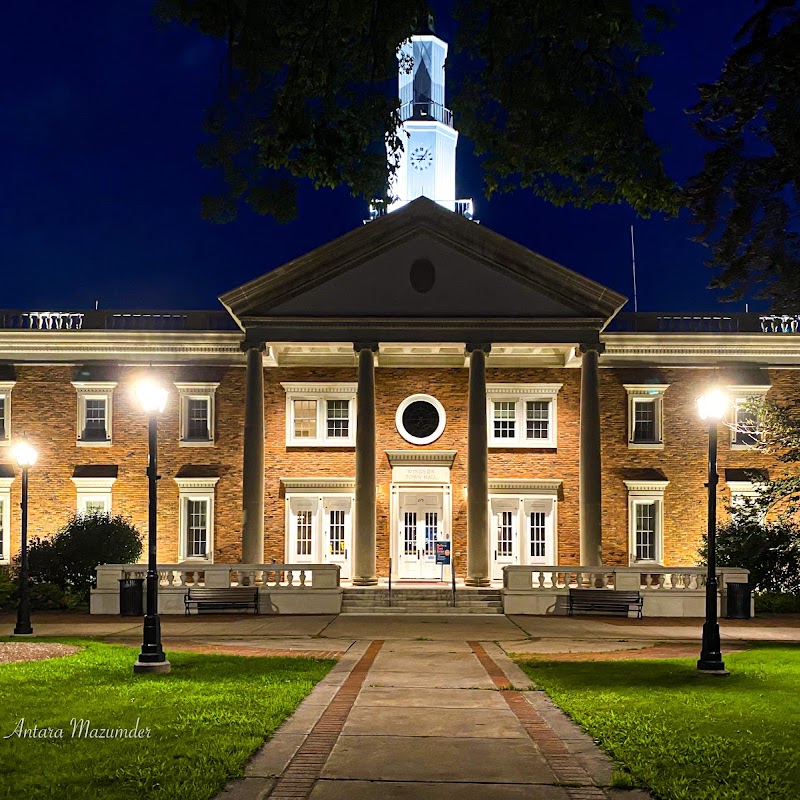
(590, 458)
(253, 461)
(365, 521)
(477, 470)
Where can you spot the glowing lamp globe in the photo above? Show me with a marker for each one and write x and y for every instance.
(713, 404)
(24, 454)
(152, 397)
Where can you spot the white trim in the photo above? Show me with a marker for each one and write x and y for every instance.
(421, 440)
(5, 519)
(95, 390)
(200, 489)
(196, 391)
(520, 394)
(540, 487)
(646, 492)
(321, 393)
(5, 395)
(651, 393)
(316, 485)
(92, 489)
(740, 396)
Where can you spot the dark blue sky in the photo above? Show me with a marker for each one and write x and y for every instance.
(100, 114)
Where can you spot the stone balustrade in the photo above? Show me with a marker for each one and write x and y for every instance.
(667, 591)
(283, 588)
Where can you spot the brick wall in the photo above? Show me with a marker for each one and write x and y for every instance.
(44, 406)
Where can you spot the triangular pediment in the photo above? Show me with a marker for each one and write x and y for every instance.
(423, 262)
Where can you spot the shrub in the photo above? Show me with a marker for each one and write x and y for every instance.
(770, 550)
(46, 596)
(68, 559)
(775, 603)
(7, 588)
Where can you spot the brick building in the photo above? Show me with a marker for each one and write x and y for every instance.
(420, 379)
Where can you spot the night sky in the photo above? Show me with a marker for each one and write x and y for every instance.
(100, 118)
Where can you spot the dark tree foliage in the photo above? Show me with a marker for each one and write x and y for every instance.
(68, 559)
(746, 195)
(556, 98)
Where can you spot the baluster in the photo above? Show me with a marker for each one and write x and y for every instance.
(302, 578)
(540, 578)
(289, 577)
(662, 580)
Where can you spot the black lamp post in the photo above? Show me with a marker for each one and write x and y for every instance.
(152, 659)
(711, 407)
(25, 456)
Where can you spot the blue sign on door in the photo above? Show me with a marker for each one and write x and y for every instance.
(442, 552)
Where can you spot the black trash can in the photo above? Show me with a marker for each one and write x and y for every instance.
(738, 601)
(131, 603)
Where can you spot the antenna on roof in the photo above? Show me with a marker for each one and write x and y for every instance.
(633, 263)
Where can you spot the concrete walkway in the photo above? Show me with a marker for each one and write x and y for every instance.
(426, 720)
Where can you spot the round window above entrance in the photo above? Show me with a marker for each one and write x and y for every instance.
(420, 419)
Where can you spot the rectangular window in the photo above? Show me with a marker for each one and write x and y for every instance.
(410, 533)
(336, 539)
(305, 532)
(745, 433)
(505, 534)
(94, 507)
(338, 419)
(645, 531)
(538, 534)
(2, 417)
(305, 419)
(537, 419)
(196, 528)
(431, 531)
(197, 419)
(94, 420)
(505, 419)
(5, 411)
(644, 421)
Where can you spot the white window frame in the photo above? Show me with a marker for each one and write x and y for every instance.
(740, 396)
(5, 395)
(646, 393)
(646, 493)
(196, 391)
(420, 440)
(5, 519)
(93, 489)
(520, 394)
(95, 390)
(321, 393)
(196, 489)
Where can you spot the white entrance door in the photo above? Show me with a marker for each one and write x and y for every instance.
(421, 525)
(505, 535)
(539, 532)
(336, 532)
(302, 530)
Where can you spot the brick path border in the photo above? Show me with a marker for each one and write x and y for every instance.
(558, 757)
(303, 770)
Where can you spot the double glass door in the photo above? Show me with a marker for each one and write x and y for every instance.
(522, 532)
(320, 531)
(421, 526)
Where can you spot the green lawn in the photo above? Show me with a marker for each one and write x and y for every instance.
(684, 735)
(205, 719)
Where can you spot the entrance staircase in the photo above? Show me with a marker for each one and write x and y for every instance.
(420, 600)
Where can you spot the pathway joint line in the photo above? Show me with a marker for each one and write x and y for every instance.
(304, 769)
(557, 755)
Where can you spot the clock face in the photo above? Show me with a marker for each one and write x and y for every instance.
(421, 158)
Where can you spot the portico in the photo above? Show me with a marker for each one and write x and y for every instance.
(352, 309)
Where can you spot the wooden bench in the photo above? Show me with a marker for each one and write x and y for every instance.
(217, 599)
(605, 601)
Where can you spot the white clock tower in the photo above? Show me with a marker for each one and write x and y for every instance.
(428, 161)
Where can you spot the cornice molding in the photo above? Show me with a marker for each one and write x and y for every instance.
(646, 487)
(548, 486)
(431, 458)
(321, 484)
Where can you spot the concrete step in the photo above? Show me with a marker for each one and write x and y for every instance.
(460, 610)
